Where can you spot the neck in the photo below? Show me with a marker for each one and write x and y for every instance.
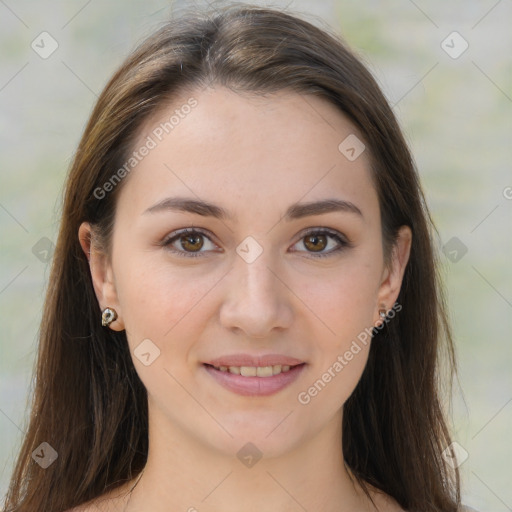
(183, 474)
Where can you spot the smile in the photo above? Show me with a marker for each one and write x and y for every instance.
(255, 371)
(254, 380)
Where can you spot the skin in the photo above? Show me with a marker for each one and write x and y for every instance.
(254, 156)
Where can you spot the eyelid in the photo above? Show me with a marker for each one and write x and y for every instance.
(175, 235)
(326, 231)
(342, 240)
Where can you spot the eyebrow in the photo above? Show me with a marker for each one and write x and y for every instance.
(295, 211)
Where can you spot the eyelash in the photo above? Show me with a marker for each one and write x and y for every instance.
(343, 243)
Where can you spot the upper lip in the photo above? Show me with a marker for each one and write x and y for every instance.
(248, 360)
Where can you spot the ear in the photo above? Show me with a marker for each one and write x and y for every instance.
(101, 274)
(394, 272)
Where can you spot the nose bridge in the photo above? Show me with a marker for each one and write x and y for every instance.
(255, 282)
(256, 301)
(256, 277)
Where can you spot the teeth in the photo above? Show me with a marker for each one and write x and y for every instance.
(264, 371)
(255, 371)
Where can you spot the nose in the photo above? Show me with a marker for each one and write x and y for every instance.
(257, 298)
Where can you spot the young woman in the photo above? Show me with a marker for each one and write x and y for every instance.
(244, 311)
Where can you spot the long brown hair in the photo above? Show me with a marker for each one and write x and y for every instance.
(89, 403)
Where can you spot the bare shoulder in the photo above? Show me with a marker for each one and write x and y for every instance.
(87, 507)
(92, 506)
(384, 503)
(81, 508)
(112, 501)
(97, 505)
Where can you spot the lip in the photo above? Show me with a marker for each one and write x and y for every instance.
(248, 360)
(254, 386)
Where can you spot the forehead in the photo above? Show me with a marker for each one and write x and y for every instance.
(248, 151)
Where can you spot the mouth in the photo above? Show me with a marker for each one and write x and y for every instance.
(255, 371)
(255, 380)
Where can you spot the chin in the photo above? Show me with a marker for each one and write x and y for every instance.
(272, 436)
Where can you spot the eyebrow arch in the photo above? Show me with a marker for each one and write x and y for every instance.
(295, 211)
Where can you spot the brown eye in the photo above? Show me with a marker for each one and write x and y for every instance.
(315, 242)
(191, 242)
(323, 242)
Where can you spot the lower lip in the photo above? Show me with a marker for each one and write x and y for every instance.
(255, 386)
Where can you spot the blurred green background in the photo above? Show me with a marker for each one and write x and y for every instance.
(455, 108)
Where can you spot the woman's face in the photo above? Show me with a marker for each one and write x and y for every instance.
(275, 281)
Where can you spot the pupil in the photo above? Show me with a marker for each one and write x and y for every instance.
(316, 239)
(189, 239)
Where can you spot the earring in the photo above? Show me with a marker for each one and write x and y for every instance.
(382, 318)
(108, 316)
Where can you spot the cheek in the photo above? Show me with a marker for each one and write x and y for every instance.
(340, 359)
(155, 296)
(344, 305)
(162, 305)
(345, 302)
